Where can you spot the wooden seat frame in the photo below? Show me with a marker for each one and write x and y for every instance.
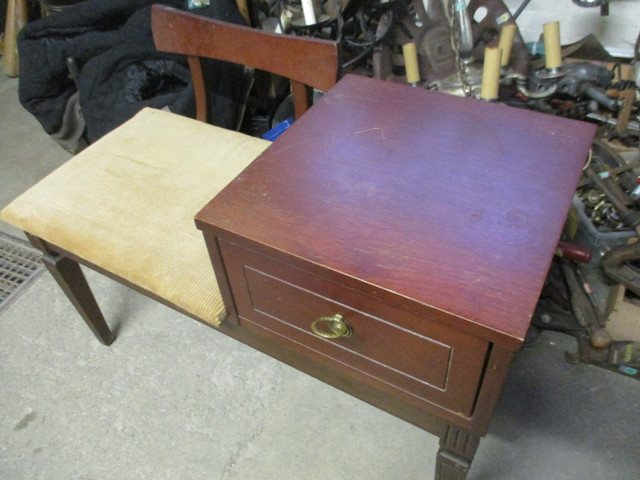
(308, 62)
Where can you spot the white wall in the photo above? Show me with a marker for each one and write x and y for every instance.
(617, 32)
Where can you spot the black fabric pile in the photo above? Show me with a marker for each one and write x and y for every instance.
(91, 67)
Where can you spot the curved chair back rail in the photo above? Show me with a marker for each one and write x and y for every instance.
(307, 62)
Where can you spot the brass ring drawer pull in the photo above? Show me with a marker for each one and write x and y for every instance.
(331, 327)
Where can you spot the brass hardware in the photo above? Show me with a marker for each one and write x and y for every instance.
(335, 327)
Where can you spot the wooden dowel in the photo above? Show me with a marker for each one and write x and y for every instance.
(552, 50)
(491, 73)
(506, 41)
(411, 62)
(16, 19)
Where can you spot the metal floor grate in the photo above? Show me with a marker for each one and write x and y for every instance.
(19, 266)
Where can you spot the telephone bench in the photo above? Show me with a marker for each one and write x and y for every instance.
(392, 243)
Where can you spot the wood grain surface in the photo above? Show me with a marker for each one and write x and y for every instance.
(452, 204)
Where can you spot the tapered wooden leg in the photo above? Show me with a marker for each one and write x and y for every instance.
(69, 276)
(457, 449)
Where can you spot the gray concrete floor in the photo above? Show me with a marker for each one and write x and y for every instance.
(173, 399)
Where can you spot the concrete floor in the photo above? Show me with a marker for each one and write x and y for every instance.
(173, 399)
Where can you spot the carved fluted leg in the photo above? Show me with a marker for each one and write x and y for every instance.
(457, 449)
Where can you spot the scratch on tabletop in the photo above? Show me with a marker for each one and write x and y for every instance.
(371, 130)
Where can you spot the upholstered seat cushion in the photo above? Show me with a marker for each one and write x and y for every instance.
(126, 204)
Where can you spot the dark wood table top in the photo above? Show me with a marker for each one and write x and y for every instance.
(454, 203)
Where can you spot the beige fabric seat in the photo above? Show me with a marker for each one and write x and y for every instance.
(126, 205)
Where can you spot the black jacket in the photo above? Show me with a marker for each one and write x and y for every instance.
(118, 69)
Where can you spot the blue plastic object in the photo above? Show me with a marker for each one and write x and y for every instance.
(278, 130)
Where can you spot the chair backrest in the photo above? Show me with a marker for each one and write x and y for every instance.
(308, 62)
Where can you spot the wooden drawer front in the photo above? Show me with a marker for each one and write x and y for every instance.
(411, 353)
